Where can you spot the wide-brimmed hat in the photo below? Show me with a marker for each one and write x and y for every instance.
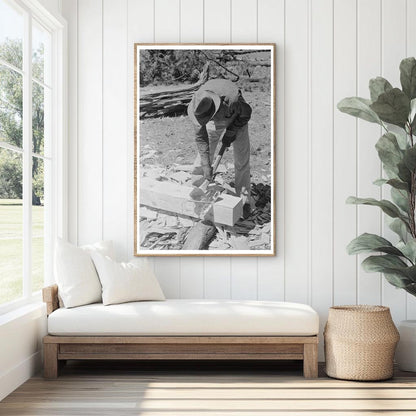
(204, 106)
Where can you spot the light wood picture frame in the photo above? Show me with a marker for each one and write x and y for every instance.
(205, 150)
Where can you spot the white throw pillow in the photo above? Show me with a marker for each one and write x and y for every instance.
(75, 273)
(104, 247)
(126, 282)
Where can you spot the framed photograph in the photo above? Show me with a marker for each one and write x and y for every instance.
(204, 150)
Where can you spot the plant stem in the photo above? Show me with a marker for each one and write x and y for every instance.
(412, 196)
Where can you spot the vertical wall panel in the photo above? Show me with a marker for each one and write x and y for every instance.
(411, 28)
(244, 29)
(167, 25)
(192, 21)
(244, 21)
(321, 148)
(296, 152)
(393, 51)
(140, 30)
(217, 28)
(411, 51)
(368, 163)
(244, 278)
(70, 11)
(345, 151)
(192, 277)
(271, 29)
(217, 21)
(217, 278)
(316, 168)
(90, 183)
(192, 30)
(115, 159)
(167, 29)
(168, 274)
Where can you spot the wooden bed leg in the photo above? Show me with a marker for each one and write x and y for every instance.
(310, 360)
(50, 360)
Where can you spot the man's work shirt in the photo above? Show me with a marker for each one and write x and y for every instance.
(234, 112)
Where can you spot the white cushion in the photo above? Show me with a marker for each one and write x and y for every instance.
(126, 282)
(103, 247)
(75, 273)
(187, 317)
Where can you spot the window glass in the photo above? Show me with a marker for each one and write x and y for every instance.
(11, 226)
(38, 227)
(11, 34)
(26, 218)
(38, 118)
(11, 107)
(41, 45)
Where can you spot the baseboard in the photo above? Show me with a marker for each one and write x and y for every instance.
(10, 380)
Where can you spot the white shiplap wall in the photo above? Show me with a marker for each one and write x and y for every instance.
(326, 50)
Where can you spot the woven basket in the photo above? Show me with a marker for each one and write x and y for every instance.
(360, 342)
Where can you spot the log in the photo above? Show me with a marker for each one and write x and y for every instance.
(228, 209)
(199, 236)
(246, 51)
(170, 197)
(172, 101)
(176, 198)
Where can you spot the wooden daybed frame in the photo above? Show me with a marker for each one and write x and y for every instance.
(58, 349)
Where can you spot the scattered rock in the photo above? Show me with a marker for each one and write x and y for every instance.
(184, 168)
(148, 213)
(180, 177)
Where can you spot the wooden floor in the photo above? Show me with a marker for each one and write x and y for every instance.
(226, 389)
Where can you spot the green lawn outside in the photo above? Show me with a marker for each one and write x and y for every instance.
(11, 249)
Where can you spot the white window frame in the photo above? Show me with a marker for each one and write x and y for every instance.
(58, 211)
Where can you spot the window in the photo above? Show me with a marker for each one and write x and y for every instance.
(31, 139)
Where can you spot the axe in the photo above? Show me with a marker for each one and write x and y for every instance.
(200, 191)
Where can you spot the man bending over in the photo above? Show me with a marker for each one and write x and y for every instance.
(218, 111)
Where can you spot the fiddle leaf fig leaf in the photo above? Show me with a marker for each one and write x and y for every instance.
(410, 158)
(388, 207)
(359, 107)
(400, 198)
(389, 151)
(395, 270)
(412, 109)
(395, 183)
(404, 173)
(411, 289)
(366, 243)
(408, 249)
(400, 228)
(392, 107)
(397, 280)
(378, 86)
(380, 182)
(412, 116)
(402, 139)
(381, 263)
(398, 184)
(390, 173)
(410, 272)
(408, 77)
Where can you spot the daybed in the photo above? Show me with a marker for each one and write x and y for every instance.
(181, 329)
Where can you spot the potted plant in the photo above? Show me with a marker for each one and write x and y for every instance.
(394, 109)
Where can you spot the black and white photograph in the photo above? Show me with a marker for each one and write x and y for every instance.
(204, 150)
